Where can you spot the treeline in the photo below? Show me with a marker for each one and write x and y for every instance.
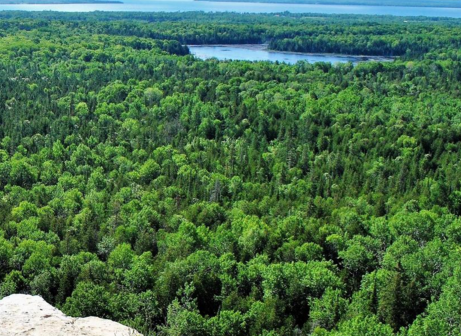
(381, 36)
(405, 3)
(361, 44)
(206, 198)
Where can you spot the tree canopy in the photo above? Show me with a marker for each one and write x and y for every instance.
(189, 197)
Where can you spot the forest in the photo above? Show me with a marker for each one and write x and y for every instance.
(233, 198)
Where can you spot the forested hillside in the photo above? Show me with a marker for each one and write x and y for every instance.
(206, 198)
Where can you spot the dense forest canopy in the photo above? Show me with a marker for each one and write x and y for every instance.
(345, 34)
(189, 197)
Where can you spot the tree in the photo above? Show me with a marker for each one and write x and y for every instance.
(367, 326)
(328, 310)
(88, 299)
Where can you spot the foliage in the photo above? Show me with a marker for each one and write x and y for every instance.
(188, 197)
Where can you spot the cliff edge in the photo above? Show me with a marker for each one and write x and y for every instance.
(32, 316)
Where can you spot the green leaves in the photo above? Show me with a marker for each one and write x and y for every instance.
(188, 197)
(88, 300)
(367, 326)
(121, 257)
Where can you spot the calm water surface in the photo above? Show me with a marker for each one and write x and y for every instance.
(258, 53)
(190, 5)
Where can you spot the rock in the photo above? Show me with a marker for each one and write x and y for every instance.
(32, 316)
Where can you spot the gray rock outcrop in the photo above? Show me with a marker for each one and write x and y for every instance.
(28, 315)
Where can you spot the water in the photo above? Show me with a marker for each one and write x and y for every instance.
(259, 53)
(190, 5)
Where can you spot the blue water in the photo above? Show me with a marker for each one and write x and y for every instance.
(257, 53)
(190, 5)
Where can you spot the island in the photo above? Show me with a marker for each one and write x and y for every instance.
(404, 3)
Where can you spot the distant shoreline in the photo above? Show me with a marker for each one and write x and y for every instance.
(345, 3)
(60, 2)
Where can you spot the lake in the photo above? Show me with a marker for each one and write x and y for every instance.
(259, 53)
(190, 5)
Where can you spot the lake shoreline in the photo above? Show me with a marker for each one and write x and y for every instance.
(330, 4)
(225, 6)
(109, 2)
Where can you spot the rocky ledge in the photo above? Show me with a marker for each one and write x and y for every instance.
(28, 315)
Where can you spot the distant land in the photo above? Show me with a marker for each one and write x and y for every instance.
(404, 3)
(52, 2)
